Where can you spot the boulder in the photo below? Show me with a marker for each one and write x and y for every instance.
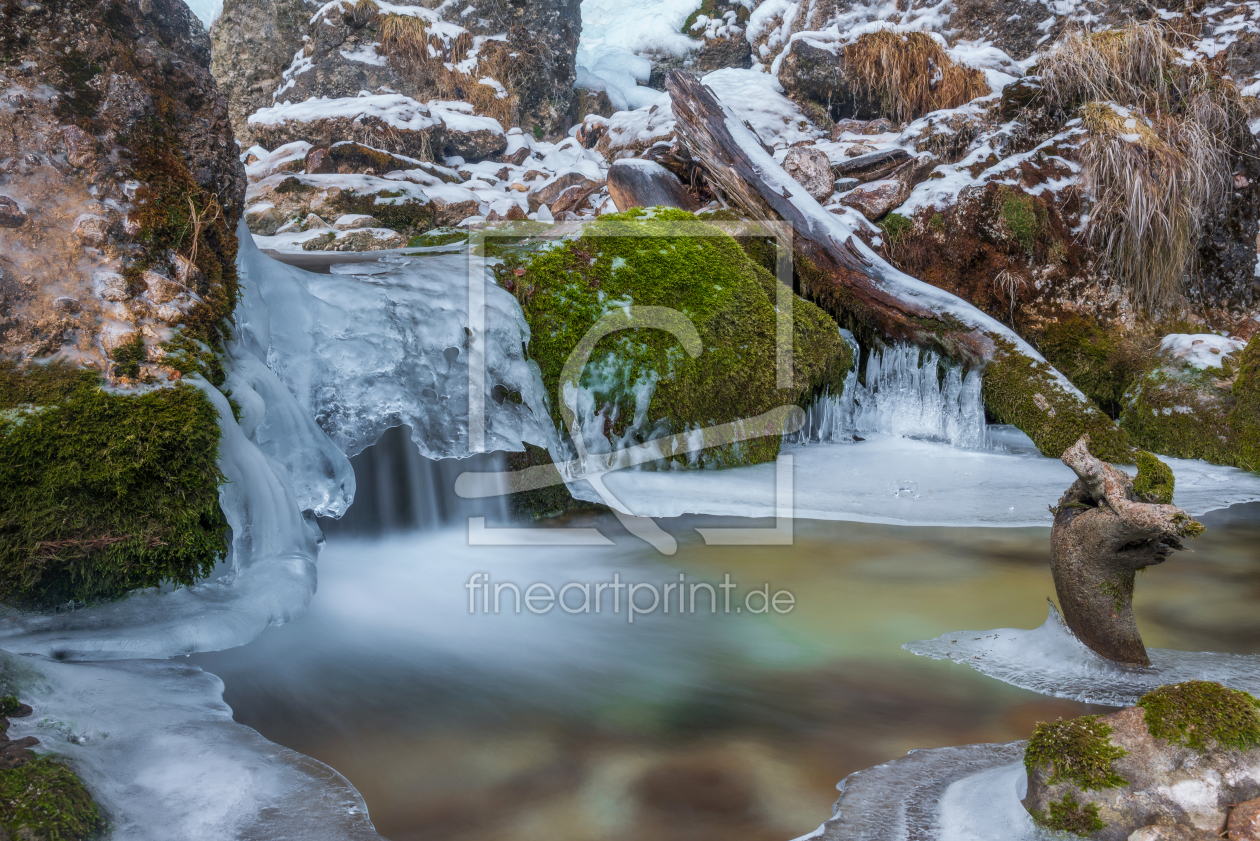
(876, 198)
(11, 215)
(1244, 821)
(1170, 767)
(390, 122)
(549, 192)
(811, 168)
(639, 183)
(252, 42)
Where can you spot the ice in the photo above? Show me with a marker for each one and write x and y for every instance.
(904, 397)
(1052, 661)
(886, 479)
(157, 747)
(965, 793)
(363, 353)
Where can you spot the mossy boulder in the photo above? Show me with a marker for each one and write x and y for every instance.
(1181, 410)
(643, 382)
(104, 492)
(1106, 777)
(1103, 361)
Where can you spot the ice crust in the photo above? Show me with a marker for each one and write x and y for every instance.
(158, 749)
(1052, 661)
(964, 793)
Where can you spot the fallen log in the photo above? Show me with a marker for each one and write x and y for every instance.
(843, 274)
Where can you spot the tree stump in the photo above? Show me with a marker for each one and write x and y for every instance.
(1105, 532)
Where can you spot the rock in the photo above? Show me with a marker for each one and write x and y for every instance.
(390, 122)
(549, 192)
(1244, 821)
(161, 289)
(810, 167)
(354, 241)
(92, 230)
(717, 53)
(319, 162)
(451, 213)
(355, 221)
(876, 198)
(314, 223)
(634, 182)
(812, 77)
(11, 215)
(111, 286)
(1173, 832)
(265, 221)
(571, 198)
(1173, 764)
(81, 148)
(253, 42)
(880, 126)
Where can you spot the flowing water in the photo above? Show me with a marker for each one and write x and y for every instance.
(691, 724)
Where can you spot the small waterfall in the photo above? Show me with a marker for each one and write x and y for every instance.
(401, 490)
(905, 396)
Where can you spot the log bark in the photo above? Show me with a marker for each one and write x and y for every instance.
(873, 166)
(843, 274)
(1102, 535)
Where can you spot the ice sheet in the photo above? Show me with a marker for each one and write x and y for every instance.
(965, 793)
(886, 479)
(158, 749)
(1052, 661)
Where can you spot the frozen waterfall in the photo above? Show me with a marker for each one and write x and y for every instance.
(903, 395)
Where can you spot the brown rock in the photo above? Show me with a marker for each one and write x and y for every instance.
(810, 167)
(875, 199)
(11, 216)
(1244, 821)
(551, 191)
(518, 157)
(92, 230)
(880, 126)
(452, 213)
(80, 147)
(319, 162)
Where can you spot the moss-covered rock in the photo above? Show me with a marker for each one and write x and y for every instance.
(642, 259)
(1154, 481)
(103, 492)
(1177, 409)
(1103, 361)
(1108, 776)
(44, 799)
(1052, 418)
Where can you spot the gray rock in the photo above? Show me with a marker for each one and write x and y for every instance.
(11, 215)
(639, 183)
(253, 41)
(810, 167)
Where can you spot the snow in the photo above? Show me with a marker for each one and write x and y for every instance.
(270, 162)
(1200, 350)
(758, 98)
(158, 749)
(1052, 661)
(395, 110)
(459, 116)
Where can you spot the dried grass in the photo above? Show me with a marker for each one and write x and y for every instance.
(911, 74)
(1158, 158)
(430, 63)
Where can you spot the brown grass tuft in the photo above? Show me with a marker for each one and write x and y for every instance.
(911, 74)
(431, 64)
(1157, 161)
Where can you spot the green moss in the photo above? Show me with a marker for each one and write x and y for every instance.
(1020, 391)
(294, 186)
(409, 218)
(8, 705)
(1019, 213)
(1244, 420)
(436, 237)
(128, 356)
(1121, 591)
(937, 223)
(104, 493)
(191, 356)
(1155, 481)
(895, 227)
(47, 798)
(1101, 362)
(564, 290)
(1200, 713)
(1078, 751)
(1068, 815)
(710, 8)
(1180, 411)
(551, 501)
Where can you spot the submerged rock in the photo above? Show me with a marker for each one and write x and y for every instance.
(1171, 767)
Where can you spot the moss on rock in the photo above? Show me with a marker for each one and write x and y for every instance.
(45, 799)
(1021, 391)
(639, 259)
(1068, 815)
(104, 492)
(1212, 414)
(1079, 751)
(1103, 362)
(1154, 481)
(1201, 714)
(409, 217)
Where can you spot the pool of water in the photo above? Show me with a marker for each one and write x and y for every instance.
(682, 725)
